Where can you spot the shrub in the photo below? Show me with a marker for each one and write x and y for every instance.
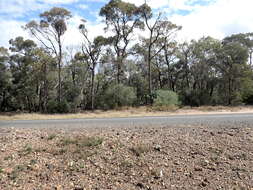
(140, 149)
(118, 96)
(236, 99)
(52, 106)
(166, 98)
(63, 107)
(55, 107)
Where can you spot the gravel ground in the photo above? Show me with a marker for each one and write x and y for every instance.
(151, 158)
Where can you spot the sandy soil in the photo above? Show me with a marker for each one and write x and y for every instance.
(151, 158)
(129, 112)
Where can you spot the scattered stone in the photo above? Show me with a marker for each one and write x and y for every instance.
(198, 169)
(140, 185)
(190, 159)
(158, 148)
(78, 188)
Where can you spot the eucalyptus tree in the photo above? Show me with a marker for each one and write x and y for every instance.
(21, 66)
(245, 39)
(49, 31)
(93, 50)
(234, 69)
(5, 80)
(184, 56)
(204, 71)
(161, 32)
(44, 74)
(121, 19)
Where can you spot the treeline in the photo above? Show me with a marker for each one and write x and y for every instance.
(124, 68)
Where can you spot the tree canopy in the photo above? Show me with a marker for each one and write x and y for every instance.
(141, 62)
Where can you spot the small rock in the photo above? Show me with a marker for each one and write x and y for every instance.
(71, 164)
(78, 188)
(49, 166)
(198, 169)
(212, 168)
(158, 148)
(8, 170)
(161, 173)
(140, 185)
(176, 163)
(58, 187)
(203, 184)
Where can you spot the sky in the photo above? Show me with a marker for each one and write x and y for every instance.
(198, 18)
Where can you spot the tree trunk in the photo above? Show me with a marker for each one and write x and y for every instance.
(40, 99)
(250, 58)
(59, 69)
(149, 76)
(160, 79)
(92, 87)
(2, 108)
(45, 93)
(118, 72)
(229, 91)
(170, 85)
(186, 71)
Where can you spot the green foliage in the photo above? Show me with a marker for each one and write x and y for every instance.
(58, 107)
(201, 72)
(141, 86)
(26, 151)
(117, 9)
(166, 98)
(5, 81)
(51, 137)
(63, 107)
(236, 99)
(197, 98)
(118, 96)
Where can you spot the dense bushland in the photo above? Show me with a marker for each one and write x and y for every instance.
(41, 74)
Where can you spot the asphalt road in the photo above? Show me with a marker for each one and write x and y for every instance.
(182, 120)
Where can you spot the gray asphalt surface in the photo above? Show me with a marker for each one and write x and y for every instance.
(214, 120)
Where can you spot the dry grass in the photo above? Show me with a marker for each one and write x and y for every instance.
(129, 112)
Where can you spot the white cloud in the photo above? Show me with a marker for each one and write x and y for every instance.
(83, 6)
(74, 38)
(10, 29)
(219, 19)
(171, 4)
(71, 38)
(16, 8)
(59, 1)
(152, 3)
(97, 1)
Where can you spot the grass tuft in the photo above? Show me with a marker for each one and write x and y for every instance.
(83, 141)
(140, 149)
(51, 137)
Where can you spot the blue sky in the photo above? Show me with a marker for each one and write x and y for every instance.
(217, 18)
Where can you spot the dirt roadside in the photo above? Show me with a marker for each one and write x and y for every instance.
(129, 112)
(151, 158)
